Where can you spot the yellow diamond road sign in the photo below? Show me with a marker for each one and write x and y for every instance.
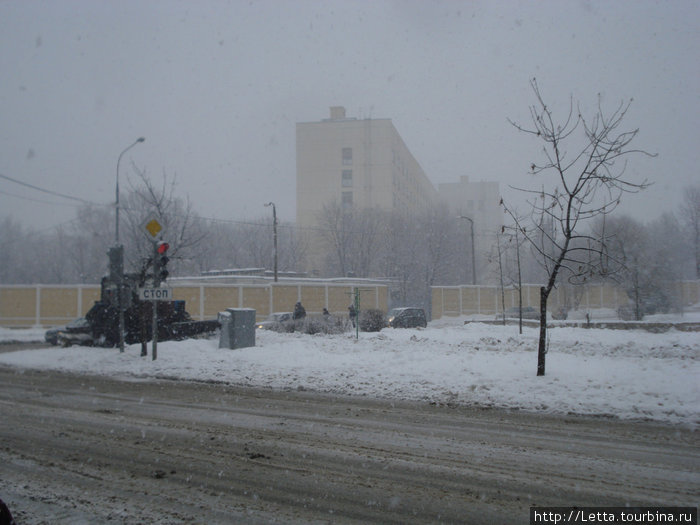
(153, 227)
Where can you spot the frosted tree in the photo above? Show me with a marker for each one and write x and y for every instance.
(583, 168)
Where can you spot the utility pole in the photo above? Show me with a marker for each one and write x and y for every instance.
(471, 227)
(357, 313)
(156, 284)
(500, 269)
(520, 282)
(120, 252)
(274, 233)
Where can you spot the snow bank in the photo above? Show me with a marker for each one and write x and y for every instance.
(628, 374)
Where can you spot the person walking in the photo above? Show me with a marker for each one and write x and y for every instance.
(299, 311)
(353, 315)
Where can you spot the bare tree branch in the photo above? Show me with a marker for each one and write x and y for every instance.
(590, 182)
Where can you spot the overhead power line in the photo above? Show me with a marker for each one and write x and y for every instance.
(50, 192)
(54, 203)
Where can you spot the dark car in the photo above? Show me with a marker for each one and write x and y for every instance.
(274, 320)
(408, 317)
(514, 313)
(78, 330)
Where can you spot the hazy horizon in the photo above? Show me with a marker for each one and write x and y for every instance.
(216, 88)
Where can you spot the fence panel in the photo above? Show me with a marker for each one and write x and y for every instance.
(487, 300)
(48, 305)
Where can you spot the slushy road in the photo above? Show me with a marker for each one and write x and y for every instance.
(88, 449)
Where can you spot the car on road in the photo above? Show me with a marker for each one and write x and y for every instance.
(274, 320)
(407, 317)
(77, 330)
(514, 313)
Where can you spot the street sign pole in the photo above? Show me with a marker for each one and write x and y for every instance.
(154, 230)
(357, 313)
(355, 294)
(156, 284)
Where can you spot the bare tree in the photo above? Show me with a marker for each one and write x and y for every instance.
(628, 242)
(15, 254)
(438, 231)
(587, 161)
(91, 235)
(352, 238)
(399, 259)
(336, 236)
(670, 257)
(185, 230)
(654, 258)
(256, 242)
(292, 247)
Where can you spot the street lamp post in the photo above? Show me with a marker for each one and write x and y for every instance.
(120, 274)
(471, 227)
(116, 229)
(274, 232)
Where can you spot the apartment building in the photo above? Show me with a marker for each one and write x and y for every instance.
(360, 163)
(364, 163)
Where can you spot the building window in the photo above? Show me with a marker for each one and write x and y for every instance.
(347, 200)
(347, 178)
(347, 156)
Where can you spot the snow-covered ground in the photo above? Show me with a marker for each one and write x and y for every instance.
(623, 373)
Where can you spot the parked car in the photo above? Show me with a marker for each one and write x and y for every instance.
(78, 329)
(561, 314)
(514, 313)
(408, 317)
(274, 320)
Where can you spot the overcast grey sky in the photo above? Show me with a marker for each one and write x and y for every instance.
(217, 87)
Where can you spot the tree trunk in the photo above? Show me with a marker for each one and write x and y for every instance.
(542, 348)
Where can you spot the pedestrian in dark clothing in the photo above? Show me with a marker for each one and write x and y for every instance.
(299, 311)
(326, 313)
(353, 315)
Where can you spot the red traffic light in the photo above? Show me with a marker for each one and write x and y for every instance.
(162, 247)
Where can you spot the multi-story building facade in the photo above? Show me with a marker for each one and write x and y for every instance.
(356, 163)
(365, 164)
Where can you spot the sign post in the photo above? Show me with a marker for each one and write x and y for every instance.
(355, 294)
(156, 284)
(154, 231)
(155, 294)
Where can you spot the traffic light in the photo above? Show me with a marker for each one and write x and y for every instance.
(110, 287)
(162, 260)
(116, 263)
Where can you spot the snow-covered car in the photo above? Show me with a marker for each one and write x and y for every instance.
(274, 320)
(77, 331)
(407, 317)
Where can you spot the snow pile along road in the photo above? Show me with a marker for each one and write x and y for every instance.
(629, 374)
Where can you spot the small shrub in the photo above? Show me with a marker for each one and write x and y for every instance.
(372, 320)
(312, 325)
